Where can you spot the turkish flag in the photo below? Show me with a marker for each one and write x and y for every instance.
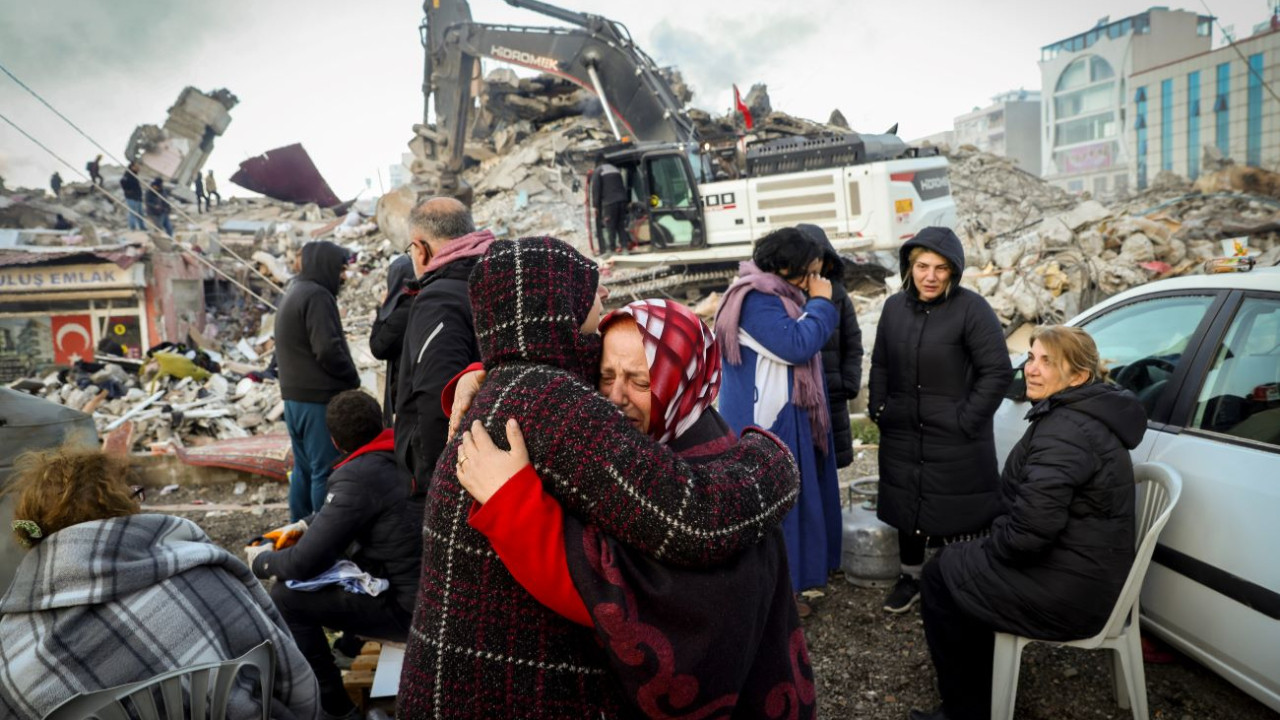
(72, 338)
(742, 107)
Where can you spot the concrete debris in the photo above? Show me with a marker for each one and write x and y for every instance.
(178, 151)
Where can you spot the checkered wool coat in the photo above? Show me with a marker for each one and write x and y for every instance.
(115, 601)
(480, 645)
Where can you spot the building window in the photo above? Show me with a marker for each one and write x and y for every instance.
(1084, 103)
(1140, 124)
(1204, 26)
(1166, 125)
(1253, 134)
(1222, 128)
(1099, 185)
(1193, 125)
(1075, 186)
(1121, 183)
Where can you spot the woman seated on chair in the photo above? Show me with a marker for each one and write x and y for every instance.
(1061, 549)
(106, 595)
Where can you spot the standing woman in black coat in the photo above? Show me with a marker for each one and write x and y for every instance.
(1062, 546)
(842, 355)
(386, 339)
(938, 372)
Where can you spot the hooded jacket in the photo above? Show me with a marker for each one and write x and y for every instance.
(114, 601)
(480, 645)
(311, 350)
(386, 338)
(1063, 544)
(938, 373)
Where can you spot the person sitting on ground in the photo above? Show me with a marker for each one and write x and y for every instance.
(733, 627)
(1062, 545)
(481, 645)
(369, 515)
(106, 595)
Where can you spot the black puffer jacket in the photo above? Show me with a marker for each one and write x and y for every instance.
(386, 338)
(369, 518)
(1063, 544)
(439, 342)
(938, 373)
(311, 349)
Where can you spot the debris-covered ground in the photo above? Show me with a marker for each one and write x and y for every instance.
(868, 664)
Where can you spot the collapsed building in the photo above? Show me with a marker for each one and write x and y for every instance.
(178, 150)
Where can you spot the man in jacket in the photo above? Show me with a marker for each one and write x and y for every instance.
(440, 338)
(314, 365)
(609, 197)
(369, 511)
(132, 188)
(158, 206)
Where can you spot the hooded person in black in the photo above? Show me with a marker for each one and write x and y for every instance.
(314, 365)
(938, 372)
(386, 339)
(1061, 547)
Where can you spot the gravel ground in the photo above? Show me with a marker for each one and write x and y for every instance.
(868, 663)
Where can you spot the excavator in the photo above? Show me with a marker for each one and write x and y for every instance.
(689, 206)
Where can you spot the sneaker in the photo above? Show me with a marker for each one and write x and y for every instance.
(903, 596)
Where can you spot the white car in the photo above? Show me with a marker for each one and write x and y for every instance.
(1202, 353)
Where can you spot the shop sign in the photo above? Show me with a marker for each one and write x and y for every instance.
(46, 278)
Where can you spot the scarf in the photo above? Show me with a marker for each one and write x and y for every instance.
(470, 245)
(806, 387)
(684, 363)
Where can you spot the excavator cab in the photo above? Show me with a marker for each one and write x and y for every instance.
(665, 211)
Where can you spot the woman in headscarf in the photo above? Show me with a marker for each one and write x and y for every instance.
(726, 640)
(771, 326)
(482, 646)
(106, 595)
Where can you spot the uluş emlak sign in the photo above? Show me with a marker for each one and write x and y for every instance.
(45, 278)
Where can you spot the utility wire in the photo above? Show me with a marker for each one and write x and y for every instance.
(175, 208)
(121, 203)
(1231, 40)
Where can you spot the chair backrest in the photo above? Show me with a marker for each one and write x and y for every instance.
(1161, 486)
(207, 691)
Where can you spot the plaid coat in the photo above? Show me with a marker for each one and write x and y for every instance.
(114, 601)
(480, 645)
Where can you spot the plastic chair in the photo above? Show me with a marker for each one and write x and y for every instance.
(208, 689)
(1163, 485)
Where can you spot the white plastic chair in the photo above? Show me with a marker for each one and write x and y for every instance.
(208, 689)
(1162, 485)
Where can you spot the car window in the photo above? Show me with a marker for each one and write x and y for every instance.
(1142, 343)
(1241, 391)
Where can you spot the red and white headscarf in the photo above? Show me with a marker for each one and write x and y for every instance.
(684, 363)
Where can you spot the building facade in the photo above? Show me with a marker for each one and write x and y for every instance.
(1010, 127)
(1220, 99)
(1087, 82)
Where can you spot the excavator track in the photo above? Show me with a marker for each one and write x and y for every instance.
(682, 282)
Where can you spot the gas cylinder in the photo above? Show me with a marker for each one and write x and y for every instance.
(870, 550)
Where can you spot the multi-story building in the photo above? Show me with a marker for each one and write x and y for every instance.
(1224, 98)
(945, 138)
(1010, 126)
(1087, 85)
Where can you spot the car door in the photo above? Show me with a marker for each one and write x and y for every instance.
(1146, 343)
(1213, 588)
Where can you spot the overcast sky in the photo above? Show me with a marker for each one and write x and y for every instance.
(344, 78)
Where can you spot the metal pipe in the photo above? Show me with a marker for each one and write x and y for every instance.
(608, 111)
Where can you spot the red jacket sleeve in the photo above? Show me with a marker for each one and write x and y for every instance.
(446, 395)
(525, 527)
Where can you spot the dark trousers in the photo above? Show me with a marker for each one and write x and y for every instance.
(961, 647)
(313, 457)
(910, 548)
(613, 233)
(308, 613)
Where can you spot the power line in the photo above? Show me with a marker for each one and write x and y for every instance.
(117, 161)
(1231, 40)
(128, 209)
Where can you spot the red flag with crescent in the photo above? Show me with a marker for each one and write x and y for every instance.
(72, 338)
(742, 107)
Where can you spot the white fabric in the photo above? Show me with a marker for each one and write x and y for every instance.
(773, 382)
(344, 573)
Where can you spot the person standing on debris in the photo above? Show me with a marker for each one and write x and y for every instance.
(439, 338)
(94, 167)
(370, 514)
(158, 207)
(211, 189)
(386, 339)
(771, 326)
(609, 197)
(842, 355)
(1063, 544)
(55, 183)
(938, 372)
(106, 595)
(314, 365)
(132, 187)
(202, 201)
